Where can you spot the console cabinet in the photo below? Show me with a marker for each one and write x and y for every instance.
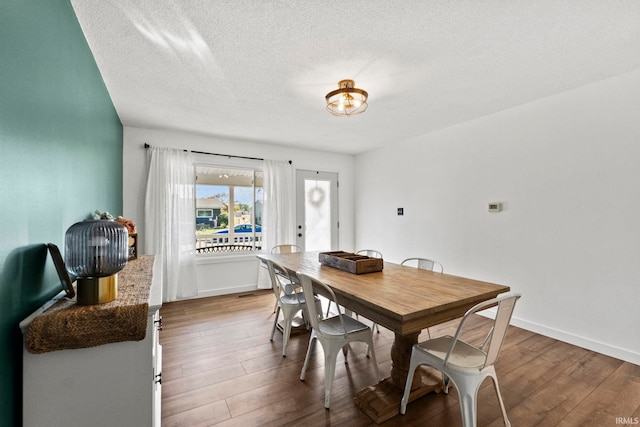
(116, 384)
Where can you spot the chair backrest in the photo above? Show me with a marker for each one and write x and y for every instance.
(506, 304)
(277, 273)
(308, 285)
(424, 264)
(285, 249)
(371, 253)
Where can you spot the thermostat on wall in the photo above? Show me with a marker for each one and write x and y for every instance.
(495, 207)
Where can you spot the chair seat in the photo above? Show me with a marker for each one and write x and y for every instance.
(292, 299)
(464, 356)
(332, 325)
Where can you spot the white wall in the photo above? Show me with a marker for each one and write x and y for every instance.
(566, 169)
(223, 274)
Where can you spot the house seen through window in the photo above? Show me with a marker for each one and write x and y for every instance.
(228, 209)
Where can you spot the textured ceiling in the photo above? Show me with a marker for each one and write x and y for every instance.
(258, 70)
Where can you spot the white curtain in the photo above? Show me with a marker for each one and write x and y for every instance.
(279, 208)
(170, 220)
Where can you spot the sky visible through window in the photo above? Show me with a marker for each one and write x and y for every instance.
(242, 194)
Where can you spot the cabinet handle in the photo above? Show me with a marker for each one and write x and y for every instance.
(158, 378)
(158, 323)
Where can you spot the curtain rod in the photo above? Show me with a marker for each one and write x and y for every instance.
(218, 154)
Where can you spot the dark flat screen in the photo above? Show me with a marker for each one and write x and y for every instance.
(62, 271)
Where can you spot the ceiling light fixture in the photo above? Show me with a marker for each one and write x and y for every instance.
(347, 100)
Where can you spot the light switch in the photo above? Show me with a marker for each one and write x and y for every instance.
(495, 207)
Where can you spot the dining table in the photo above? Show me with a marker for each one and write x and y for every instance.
(403, 299)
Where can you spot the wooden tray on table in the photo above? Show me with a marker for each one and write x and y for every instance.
(350, 262)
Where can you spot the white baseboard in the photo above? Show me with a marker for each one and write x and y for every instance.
(589, 344)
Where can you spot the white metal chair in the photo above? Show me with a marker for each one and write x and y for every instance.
(465, 365)
(287, 303)
(424, 264)
(334, 333)
(286, 249)
(371, 253)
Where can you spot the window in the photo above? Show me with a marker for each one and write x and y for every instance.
(204, 213)
(228, 209)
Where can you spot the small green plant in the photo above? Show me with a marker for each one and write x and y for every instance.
(223, 220)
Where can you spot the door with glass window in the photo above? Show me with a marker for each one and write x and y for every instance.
(317, 210)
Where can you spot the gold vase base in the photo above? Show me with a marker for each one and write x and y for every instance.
(98, 290)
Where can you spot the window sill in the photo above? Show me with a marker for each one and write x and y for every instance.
(221, 258)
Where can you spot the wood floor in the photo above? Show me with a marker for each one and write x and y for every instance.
(219, 368)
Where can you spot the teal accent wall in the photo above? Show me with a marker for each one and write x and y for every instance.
(60, 159)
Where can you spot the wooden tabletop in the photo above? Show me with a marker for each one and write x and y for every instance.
(403, 299)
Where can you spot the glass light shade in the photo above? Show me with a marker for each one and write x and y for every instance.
(97, 248)
(347, 100)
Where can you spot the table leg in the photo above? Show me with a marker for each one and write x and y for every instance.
(382, 401)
